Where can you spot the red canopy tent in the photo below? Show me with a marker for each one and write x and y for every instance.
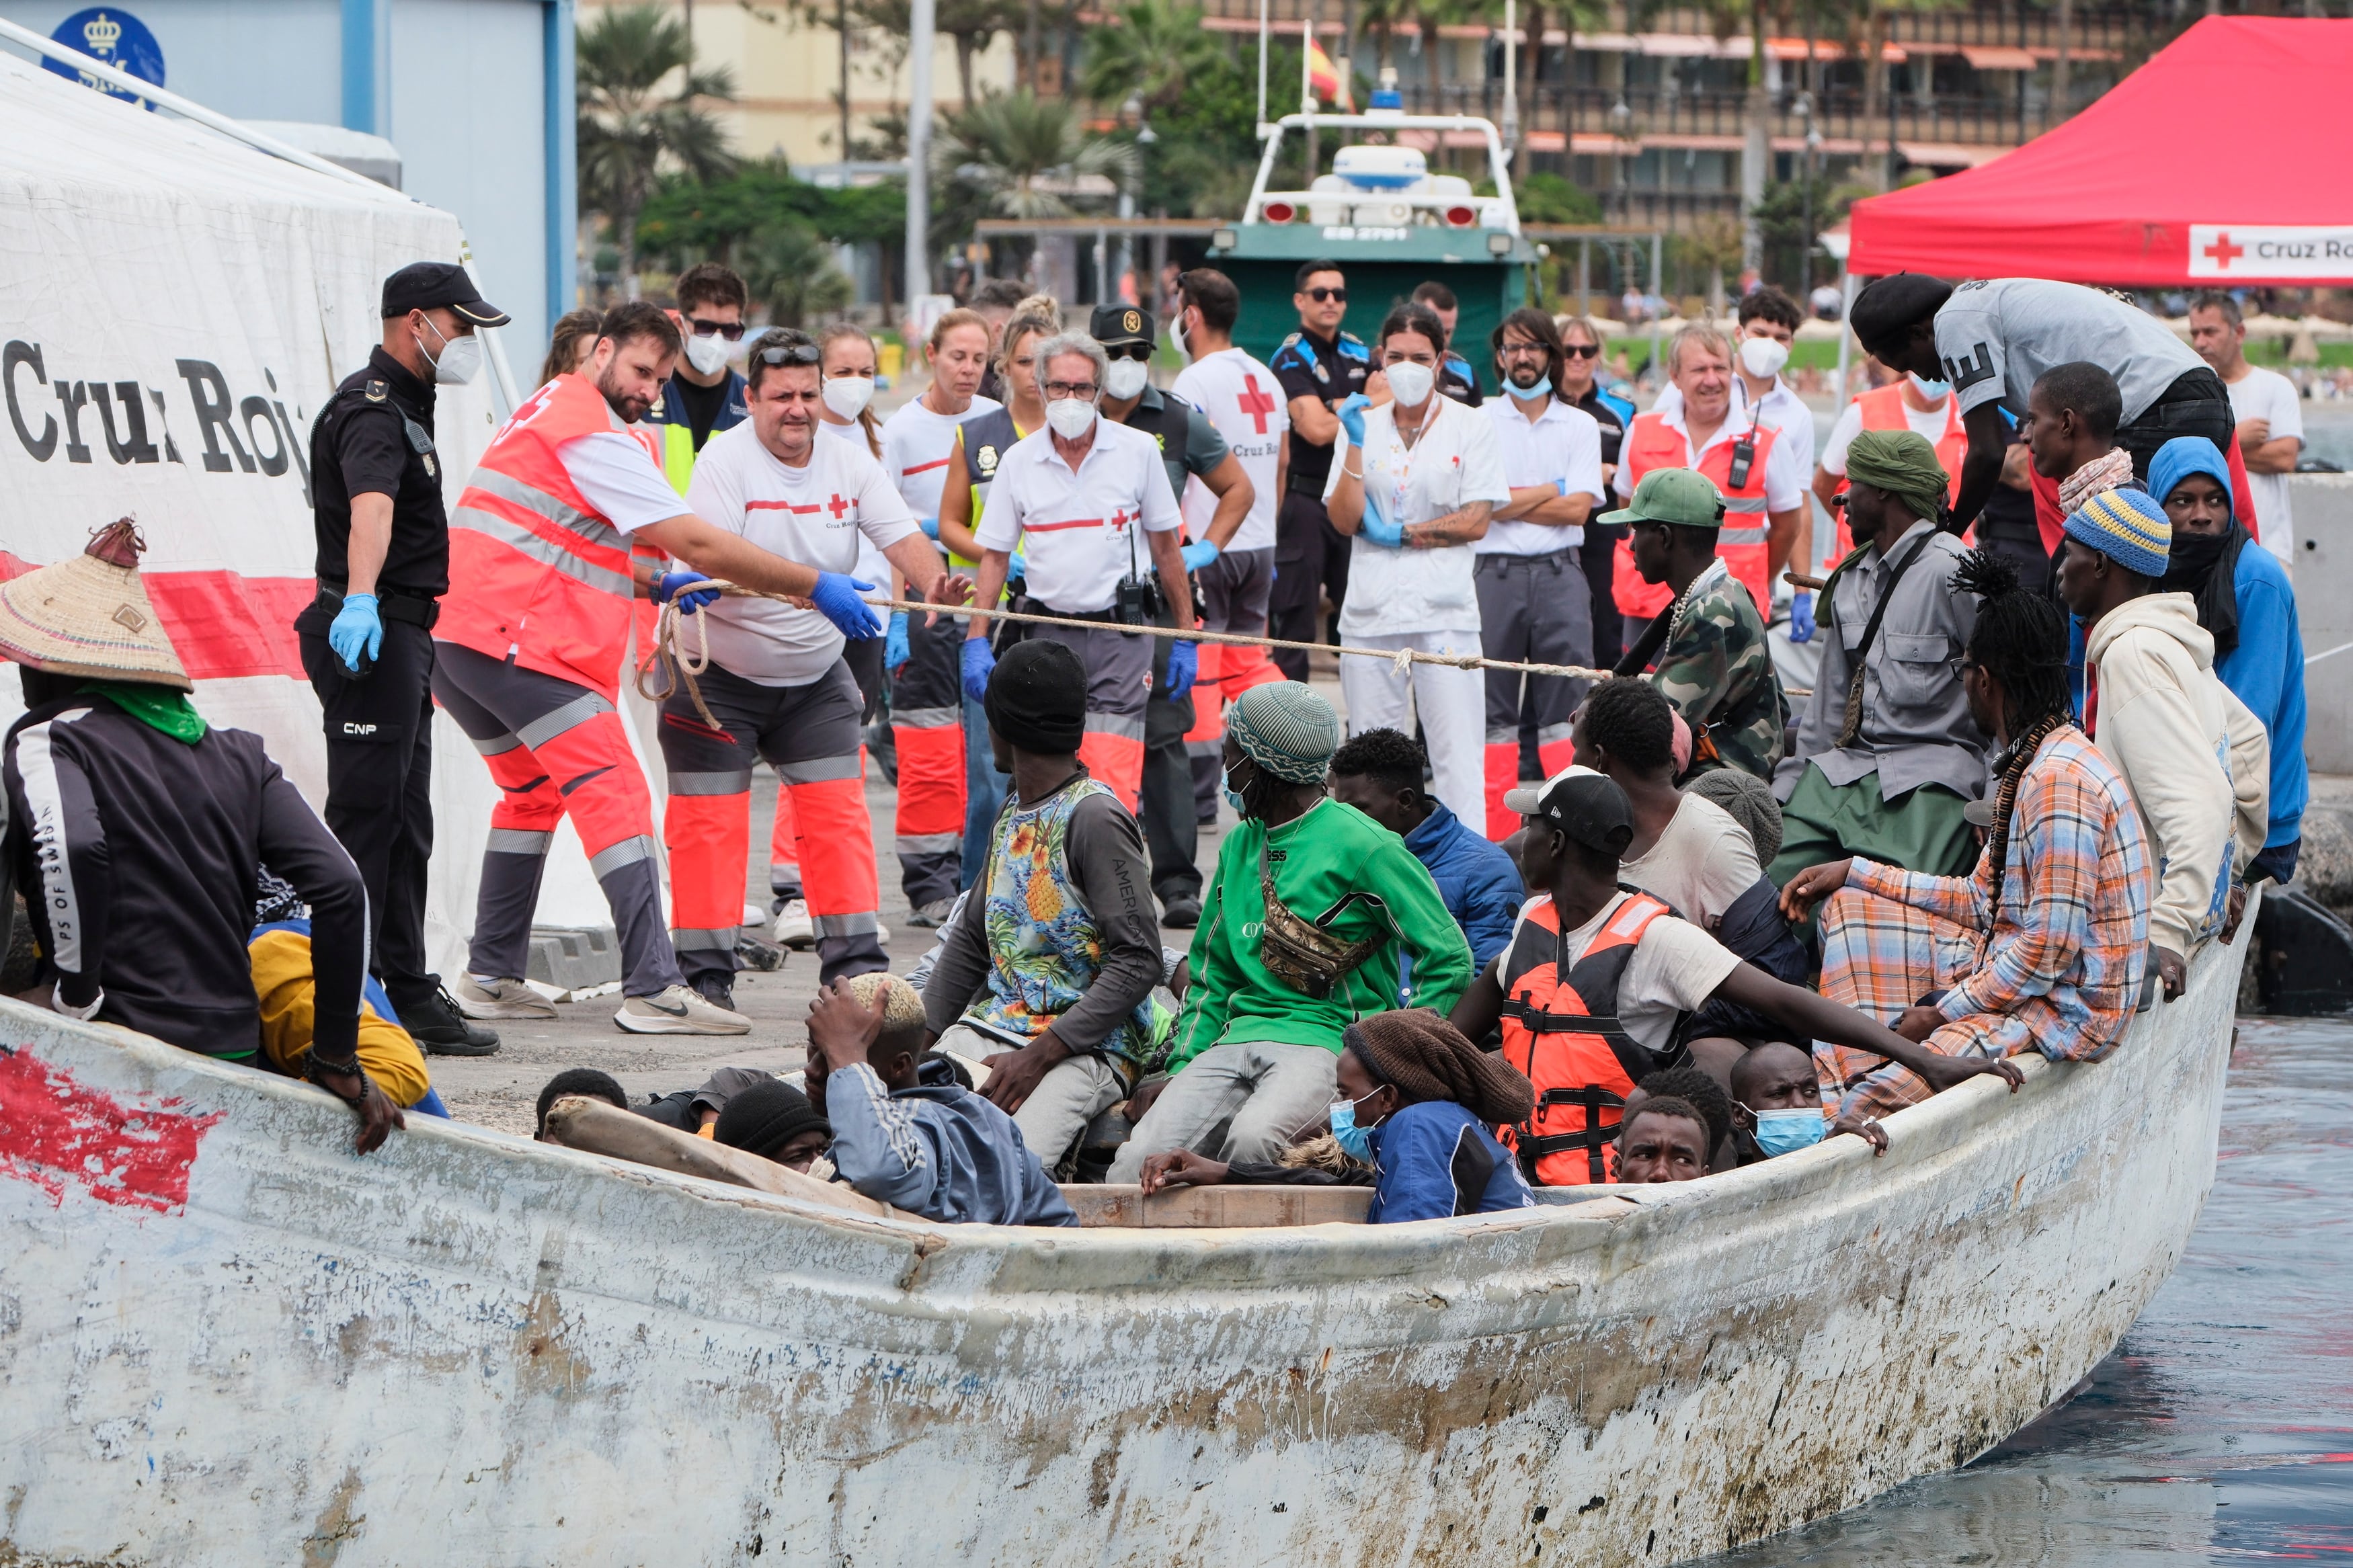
(2223, 160)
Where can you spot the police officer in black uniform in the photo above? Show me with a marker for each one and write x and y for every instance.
(384, 563)
(1318, 365)
(1456, 379)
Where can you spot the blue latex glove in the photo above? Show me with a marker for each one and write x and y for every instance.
(1184, 666)
(1015, 567)
(1199, 555)
(837, 600)
(1378, 529)
(1351, 412)
(357, 629)
(681, 586)
(1801, 617)
(979, 658)
(931, 527)
(895, 651)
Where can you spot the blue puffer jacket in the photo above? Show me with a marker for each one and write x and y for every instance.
(1480, 886)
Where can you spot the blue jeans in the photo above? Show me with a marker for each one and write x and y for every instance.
(983, 792)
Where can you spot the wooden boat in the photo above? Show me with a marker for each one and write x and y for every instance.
(225, 1339)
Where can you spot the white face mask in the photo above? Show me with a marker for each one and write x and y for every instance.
(1176, 338)
(1761, 357)
(1072, 417)
(460, 360)
(848, 395)
(707, 355)
(1125, 378)
(1411, 382)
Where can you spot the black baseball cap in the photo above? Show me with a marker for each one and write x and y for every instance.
(1588, 807)
(431, 285)
(1112, 325)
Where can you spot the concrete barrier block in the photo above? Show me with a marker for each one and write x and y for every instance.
(575, 958)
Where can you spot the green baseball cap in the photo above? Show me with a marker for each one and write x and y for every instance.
(1681, 496)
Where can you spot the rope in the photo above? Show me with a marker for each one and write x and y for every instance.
(1403, 658)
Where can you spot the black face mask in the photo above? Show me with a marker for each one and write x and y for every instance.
(2194, 554)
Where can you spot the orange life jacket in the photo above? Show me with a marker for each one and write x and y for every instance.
(1883, 408)
(1560, 1028)
(535, 570)
(1652, 442)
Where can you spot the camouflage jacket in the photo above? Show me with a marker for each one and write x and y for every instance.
(1717, 669)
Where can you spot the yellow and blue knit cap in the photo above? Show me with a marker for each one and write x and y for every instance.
(2129, 527)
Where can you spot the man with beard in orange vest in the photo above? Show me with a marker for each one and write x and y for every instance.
(531, 643)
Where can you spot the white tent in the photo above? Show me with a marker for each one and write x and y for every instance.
(179, 304)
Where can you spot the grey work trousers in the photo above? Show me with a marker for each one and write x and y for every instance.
(1264, 1094)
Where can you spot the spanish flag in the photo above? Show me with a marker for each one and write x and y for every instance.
(1323, 76)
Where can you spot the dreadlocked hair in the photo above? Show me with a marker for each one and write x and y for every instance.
(2022, 643)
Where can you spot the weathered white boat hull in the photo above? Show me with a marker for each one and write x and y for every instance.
(471, 1350)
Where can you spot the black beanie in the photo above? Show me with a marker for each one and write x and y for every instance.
(1886, 308)
(766, 1117)
(1037, 697)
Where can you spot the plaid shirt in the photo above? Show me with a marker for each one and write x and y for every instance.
(2062, 970)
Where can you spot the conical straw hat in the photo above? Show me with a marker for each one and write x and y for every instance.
(90, 615)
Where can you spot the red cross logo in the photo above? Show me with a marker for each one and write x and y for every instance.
(2222, 252)
(1121, 518)
(836, 506)
(1256, 403)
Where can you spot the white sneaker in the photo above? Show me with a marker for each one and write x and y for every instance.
(881, 933)
(793, 926)
(678, 1011)
(498, 999)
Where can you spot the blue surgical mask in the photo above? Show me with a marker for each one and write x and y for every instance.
(1931, 390)
(1530, 394)
(1233, 795)
(1355, 1141)
(1786, 1131)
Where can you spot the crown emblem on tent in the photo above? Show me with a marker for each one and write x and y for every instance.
(101, 32)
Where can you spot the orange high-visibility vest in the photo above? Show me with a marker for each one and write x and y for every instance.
(535, 570)
(1652, 442)
(1883, 408)
(1560, 1028)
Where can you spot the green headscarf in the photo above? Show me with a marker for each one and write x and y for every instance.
(161, 706)
(1902, 463)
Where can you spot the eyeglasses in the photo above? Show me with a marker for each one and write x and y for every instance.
(791, 354)
(1581, 351)
(1128, 350)
(1323, 296)
(1522, 351)
(732, 330)
(1057, 390)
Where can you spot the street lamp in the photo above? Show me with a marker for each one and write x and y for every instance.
(1804, 108)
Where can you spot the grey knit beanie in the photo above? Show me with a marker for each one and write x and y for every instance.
(1287, 730)
(1749, 801)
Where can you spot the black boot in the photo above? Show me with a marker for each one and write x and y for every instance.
(433, 1022)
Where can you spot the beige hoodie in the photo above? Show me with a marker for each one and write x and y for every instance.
(2197, 761)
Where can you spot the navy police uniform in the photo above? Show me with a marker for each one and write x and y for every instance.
(1311, 556)
(1457, 380)
(374, 436)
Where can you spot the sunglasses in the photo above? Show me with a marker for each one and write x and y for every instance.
(1127, 351)
(1323, 296)
(1581, 351)
(791, 354)
(732, 330)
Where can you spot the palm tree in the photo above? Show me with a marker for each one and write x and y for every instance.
(1147, 53)
(789, 268)
(1021, 156)
(639, 115)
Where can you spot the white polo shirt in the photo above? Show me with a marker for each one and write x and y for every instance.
(1560, 443)
(1786, 471)
(1240, 398)
(1079, 531)
(1454, 463)
(818, 514)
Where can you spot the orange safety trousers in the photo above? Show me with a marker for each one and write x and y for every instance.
(810, 734)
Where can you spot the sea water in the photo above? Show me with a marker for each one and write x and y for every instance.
(2222, 1429)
